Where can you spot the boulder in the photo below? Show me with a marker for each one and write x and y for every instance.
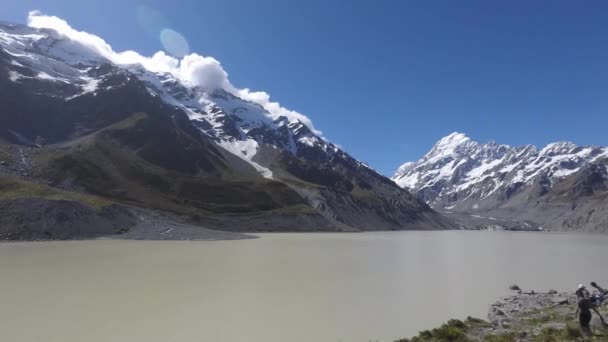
(496, 311)
(561, 301)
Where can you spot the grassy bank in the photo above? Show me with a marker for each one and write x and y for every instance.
(12, 188)
(524, 317)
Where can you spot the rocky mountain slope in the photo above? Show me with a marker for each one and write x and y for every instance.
(85, 123)
(559, 187)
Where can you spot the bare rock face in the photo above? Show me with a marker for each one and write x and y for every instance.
(560, 187)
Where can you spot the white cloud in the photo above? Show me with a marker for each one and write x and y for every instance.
(193, 69)
(263, 98)
(204, 71)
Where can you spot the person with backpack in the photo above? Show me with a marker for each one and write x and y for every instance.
(583, 310)
(582, 292)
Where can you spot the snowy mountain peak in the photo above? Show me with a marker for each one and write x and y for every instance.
(453, 139)
(455, 144)
(557, 148)
(458, 169)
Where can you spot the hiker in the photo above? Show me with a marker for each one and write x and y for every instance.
(582, 292)
(583, 310)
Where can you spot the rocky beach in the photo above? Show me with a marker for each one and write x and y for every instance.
(523, 316)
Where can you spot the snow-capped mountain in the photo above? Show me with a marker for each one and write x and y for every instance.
(77, 90)
(461, 175)
(70, 70)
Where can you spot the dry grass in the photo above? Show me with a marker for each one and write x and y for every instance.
(11, 188)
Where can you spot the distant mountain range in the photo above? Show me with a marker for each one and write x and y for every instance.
(77, 123)
(559, 187)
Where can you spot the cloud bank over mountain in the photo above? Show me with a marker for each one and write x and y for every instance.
(192, 69)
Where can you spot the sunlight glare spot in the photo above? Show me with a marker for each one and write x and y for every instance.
(174, 43)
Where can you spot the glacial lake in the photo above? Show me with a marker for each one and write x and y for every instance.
(280, 287)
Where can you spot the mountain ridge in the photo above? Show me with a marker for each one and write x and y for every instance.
(78, 110)
(500, 181)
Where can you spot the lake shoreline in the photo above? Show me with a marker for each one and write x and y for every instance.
(186, 232)
(523, 316)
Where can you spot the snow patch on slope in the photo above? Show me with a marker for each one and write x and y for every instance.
(14, 76)
(246, 150)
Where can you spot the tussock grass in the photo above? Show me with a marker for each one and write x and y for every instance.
(464, 331)
(12, 188)
(452, 331)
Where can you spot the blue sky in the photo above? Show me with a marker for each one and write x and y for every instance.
(386, 79)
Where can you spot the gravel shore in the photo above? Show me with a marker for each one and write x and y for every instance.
(524, 316)
(159, 226)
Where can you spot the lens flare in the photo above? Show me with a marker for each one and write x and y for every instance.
(174, 43)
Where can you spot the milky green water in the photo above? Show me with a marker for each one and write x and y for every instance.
(281, 287)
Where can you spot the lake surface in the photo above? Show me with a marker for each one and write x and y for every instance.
(280, 287)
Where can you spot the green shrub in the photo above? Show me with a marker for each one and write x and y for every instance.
(473, 320)
(456, 323)
(448, 333)
(509, 337)
(425, 334)
(453, 330)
